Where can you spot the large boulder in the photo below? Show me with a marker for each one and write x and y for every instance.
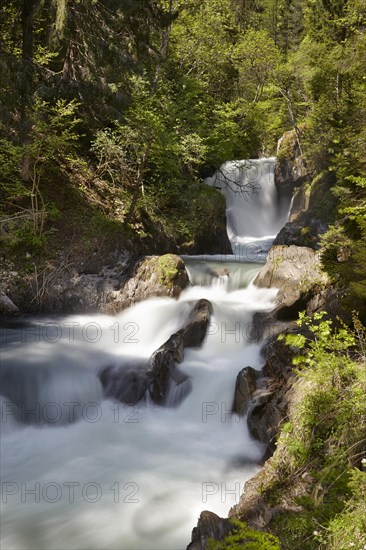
(198, 321)
(153, 276)
(296, 272)
(163, 367)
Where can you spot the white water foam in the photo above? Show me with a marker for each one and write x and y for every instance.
(174, 462)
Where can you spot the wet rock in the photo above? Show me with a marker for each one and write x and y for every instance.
(264, 417)
(127, 384)
(270, 404)
(209, 526)
(163, 364)
(196, 328)
(245, 386)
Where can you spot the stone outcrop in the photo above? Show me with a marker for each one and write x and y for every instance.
(290, 169)
(296, 272)
(153, 276)
(163, 363)
(209, 526)
(112, 289)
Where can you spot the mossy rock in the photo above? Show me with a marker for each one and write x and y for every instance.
(169, 267)
(153, 276)
(165, 270)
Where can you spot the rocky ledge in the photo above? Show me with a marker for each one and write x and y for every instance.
(296, 272)
(111, 290)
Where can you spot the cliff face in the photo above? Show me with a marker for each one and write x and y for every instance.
(313, 205)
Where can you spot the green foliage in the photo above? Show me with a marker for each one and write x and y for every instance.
(324, 439)
(244, 537)
(11, 185)
(49, 149)
(344, 245)
(348, 529)
(256, 58)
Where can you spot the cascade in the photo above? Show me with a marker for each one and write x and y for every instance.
(92, 473)
(254, 213)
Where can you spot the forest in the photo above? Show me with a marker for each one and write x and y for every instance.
(113, 113)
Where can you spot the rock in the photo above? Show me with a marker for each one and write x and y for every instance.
(127, 384)
(163, 363)
(264, 416)
(266, 325)
(196, 328)
(296, 272)
(252, 506)
(313, 204)
(245, 386)
(109, 290)
(299, 203)
(270, 404)
(290, 169)
(304, 231)
(153, 276)
(7, 307)
(278, 358)
(209, 526)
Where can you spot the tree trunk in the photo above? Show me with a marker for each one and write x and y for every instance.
(28, 12)
(291, 110)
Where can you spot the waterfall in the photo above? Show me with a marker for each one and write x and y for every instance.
(92, 473)
(254, 214)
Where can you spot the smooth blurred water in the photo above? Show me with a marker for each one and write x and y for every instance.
(254, 213)
(151, 470)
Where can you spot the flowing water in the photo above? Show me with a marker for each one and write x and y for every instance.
(79, 471)
(254, 213)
